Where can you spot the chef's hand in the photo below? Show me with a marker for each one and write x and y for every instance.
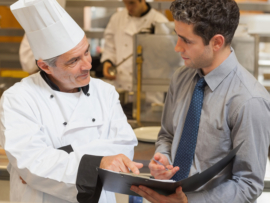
(106, 74)
(120, 163)
(23, 182)
(159, 171)
(152, 196)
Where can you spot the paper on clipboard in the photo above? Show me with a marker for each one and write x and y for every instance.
(121, 183)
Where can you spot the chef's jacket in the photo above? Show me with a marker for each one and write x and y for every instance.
(119, 42)
(57, 154)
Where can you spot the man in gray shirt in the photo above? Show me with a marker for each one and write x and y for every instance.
(234, 108)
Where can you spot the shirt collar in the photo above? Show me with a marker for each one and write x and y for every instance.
(216, 76)
(147, 11)
(45, 77)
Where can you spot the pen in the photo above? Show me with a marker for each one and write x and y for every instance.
(159, 163)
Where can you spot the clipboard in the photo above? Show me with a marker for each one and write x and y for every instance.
(121, 183)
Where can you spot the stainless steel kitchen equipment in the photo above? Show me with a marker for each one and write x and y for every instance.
(159, 63)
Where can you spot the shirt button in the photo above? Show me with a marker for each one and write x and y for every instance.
(93, 120)
(51, 96)
(88, 94)
(65, 123)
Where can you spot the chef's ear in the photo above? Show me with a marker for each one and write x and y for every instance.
(44, 66)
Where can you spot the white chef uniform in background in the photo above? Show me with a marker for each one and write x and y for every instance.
(34, 122)
(119, 45)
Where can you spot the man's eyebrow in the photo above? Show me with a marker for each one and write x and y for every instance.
(69, 61)
(184, 38)
(87, 48)
(77, 56)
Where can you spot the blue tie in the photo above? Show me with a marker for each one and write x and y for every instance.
(186, 148)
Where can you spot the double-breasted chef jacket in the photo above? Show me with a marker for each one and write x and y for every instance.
(58, 155)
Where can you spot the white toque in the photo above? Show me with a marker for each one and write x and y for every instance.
(48, 27)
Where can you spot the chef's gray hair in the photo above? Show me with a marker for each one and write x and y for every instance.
(51, 62)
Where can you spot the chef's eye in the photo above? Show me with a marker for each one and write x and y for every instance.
(74, 61)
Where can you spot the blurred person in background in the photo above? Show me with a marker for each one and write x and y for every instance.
(135, 17)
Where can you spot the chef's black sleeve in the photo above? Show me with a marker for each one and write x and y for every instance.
(88, 183)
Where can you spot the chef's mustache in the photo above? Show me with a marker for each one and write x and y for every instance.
(84, 72)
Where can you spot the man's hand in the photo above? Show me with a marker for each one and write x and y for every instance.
(159, 171)
(152, 196)
(120, 163)
(106, 74)
(23, 182)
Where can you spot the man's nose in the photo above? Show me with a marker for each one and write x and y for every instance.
(87, 63)
(179, 46)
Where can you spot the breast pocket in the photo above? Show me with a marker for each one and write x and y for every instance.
(212, 144)
(82, 135)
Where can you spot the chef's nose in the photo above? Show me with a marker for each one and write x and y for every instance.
(86, 62)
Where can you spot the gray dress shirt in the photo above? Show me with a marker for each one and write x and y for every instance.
(235, 108)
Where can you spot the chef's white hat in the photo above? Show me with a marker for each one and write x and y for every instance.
(49, 28)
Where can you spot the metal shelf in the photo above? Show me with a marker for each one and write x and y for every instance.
(93, 33)
(254, 6)
(247, 6)
(11, 32)
(6, 2)
(108, 4)
(112, 4)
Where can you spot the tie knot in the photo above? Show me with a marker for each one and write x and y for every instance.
(201, 83)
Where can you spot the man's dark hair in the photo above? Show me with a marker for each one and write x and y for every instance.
(209, 17)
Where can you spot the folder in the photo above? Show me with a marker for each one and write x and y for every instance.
(121, 182)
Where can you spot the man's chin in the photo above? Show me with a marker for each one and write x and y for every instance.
(192, 67)
(84, 82)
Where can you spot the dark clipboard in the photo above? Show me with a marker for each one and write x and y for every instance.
(121, 183)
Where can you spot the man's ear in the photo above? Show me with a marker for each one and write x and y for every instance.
(217, 42)
(43, 66)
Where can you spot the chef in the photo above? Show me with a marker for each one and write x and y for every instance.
(137, 16)
(59, 125)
